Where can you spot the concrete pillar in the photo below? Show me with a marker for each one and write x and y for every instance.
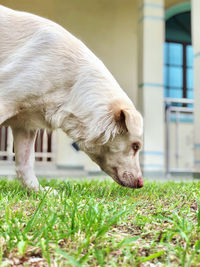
(150, 87)
(195, 12)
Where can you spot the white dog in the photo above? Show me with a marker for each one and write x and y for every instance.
(50, 79)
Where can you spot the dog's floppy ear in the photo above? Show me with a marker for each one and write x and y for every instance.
(120, 120)
(129, 119)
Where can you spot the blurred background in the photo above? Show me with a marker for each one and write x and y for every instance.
(152, 47)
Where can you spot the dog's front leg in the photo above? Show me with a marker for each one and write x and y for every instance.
(24, 141)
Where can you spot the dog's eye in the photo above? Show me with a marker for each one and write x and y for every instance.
(136, 147)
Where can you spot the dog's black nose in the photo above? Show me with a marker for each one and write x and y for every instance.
(139, 182)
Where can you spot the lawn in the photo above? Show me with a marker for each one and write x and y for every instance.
(91, 223)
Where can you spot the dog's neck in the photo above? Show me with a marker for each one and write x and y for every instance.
(86, 116)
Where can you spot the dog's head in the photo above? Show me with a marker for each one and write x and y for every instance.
(119, 157)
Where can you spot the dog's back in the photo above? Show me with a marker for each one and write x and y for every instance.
(15, 28)
(37, 54)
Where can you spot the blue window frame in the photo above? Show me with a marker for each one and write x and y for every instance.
(178, 70)
(178, 57)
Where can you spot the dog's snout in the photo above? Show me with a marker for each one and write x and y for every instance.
(139, 182)
(127, 179)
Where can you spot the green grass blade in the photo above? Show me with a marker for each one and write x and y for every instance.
(152, 256)
(70, 259)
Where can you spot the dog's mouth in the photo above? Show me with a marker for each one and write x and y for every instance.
(116, 177)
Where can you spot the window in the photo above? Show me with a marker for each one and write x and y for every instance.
(178, 70)
(178, 57)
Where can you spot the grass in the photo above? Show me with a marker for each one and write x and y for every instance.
(95, 223)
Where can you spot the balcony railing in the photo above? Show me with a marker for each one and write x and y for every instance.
(176, 108)
(44, 145)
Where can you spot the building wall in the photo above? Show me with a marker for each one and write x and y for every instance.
(170, 3)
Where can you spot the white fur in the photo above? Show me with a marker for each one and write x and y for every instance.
(50, 79)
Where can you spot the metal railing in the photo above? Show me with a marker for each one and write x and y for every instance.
(44, 145)
(177, 107)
